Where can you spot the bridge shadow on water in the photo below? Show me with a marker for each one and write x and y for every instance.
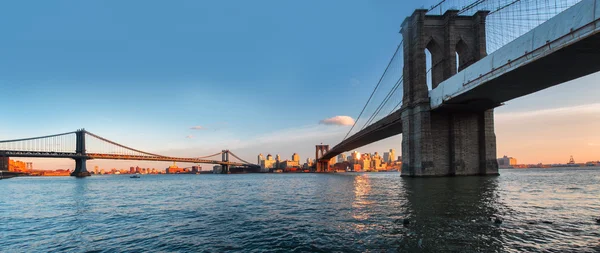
(452, 214)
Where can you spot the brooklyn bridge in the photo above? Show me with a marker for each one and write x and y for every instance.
(82, 146)
(455, 64)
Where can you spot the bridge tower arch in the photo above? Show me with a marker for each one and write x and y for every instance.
(460, 141)
(322, 165)
(225, 159)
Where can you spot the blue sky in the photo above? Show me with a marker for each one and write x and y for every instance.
(255, 75)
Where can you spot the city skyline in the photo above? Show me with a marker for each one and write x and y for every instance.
(200, 82)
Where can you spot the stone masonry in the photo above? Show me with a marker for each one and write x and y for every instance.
(451, 142)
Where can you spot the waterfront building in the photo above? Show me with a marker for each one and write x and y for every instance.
(196, 169)
(267, 164)
(173, 169)
(217, 169)
(132, 170)
(507, 162)
(386, 157)
(296, 158)
(392, 155)
(260, 158)
(288, 164)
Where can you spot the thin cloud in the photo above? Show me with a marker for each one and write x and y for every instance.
(554, 112)
(189, 137)
(354, 82)
(338, 121)
(594, 144)
(197, 127)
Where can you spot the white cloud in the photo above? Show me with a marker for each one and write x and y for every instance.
(189, 137)
(197, 127)
(338, 120)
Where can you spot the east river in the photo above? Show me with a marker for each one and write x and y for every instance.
(543, 210)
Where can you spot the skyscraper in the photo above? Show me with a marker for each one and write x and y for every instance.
(392, 155)
(260, 158)
(295, 157)
(386, 157)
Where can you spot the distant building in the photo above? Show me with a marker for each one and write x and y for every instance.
(392, 156)
(289, 164)
(386, 157)
(296, 158)
(217, 169)
(341, 158)
(507, 162)
(268, 164)
(173, 169)
(260, 158)
(196, 169)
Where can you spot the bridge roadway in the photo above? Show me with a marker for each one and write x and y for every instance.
(112, 157)
(561, 49)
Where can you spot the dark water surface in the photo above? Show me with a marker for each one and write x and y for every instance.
(551, 210)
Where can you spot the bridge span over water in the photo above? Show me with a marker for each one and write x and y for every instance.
(82, 145)
(448, 129)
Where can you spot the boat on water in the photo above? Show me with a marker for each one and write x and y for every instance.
(135, 176)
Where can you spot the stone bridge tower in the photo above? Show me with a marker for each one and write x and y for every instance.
(459, 141)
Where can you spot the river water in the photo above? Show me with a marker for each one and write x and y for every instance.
(547, 210)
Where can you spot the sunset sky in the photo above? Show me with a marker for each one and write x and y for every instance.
(190, 78)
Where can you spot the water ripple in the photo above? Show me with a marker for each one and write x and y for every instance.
(542, 210)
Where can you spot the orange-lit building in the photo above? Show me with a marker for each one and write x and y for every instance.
(173, 169)
(19, 166)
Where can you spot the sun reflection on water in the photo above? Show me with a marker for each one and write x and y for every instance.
(362, 187)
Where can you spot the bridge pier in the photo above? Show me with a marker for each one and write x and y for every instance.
(4, 163)
(81, 159)
(460, 141)
(80, 168)
(448, 143)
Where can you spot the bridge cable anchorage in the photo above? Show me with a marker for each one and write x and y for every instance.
(374, 90)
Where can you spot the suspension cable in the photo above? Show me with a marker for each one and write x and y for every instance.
(374, 90)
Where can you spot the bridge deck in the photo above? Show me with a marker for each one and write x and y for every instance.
(112, 157)
(386, 127)
(563, 48)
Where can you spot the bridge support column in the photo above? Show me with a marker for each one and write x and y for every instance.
(80, 162)
(4, 163)
(225, 158)
(443, 143)
(80, 168)
(448, 143)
